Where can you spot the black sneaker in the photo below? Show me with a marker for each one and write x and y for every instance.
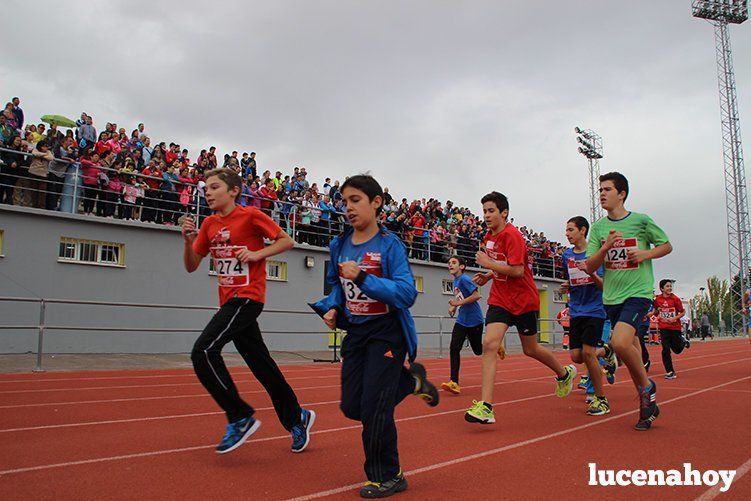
(686, 342)
(427, 391)
(648, 409)
(647, 365)
(384, 489)
(670, 375)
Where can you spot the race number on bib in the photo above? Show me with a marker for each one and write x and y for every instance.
(617, 257)
(357, 302)
(666, 313)
(577, 277)
(230, 271)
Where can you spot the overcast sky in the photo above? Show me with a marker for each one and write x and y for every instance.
(446, 99)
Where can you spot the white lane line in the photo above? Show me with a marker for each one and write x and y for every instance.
(196, 383)
(516, 445)
(177, 416)
(715, 491)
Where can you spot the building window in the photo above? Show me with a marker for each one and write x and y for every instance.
(559, 297)
(448, 287)
(77, 250)
(275, 270)
(419, 284)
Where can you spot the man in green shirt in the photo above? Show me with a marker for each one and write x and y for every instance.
(625, 243)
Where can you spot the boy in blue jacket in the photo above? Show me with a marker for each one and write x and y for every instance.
(372, 291)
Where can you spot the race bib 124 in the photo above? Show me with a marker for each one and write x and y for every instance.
(617, 257)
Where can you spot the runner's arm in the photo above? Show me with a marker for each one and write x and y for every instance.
(283, 242)
(191, 259)
(513, 271)
(597, 279)
(399, 290)
(595, 260)
(471, 299)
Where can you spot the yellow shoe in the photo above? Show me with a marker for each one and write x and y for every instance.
(451, 387)
(563, 387)
(502, 352)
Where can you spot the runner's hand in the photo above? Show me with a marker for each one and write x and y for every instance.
(454, 303)
(483, 259)
(330, 319)
(349, 270)
(637, 256)
(248, 256)
(612, 237)
(189, 230)
(480, 279)
(452, 311)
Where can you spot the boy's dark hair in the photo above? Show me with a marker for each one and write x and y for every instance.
(619, 181)
(499, 199)
(229, 177)
(664, 282)
(368, 185)
(460, 260)
(580, 222)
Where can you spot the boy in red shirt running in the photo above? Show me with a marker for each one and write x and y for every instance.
(234, 237)
(513, 301)
(669, 309)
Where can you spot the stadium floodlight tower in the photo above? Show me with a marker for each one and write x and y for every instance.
(721, 13)
(591, 147)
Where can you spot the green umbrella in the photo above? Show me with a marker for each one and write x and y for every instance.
(58, 120)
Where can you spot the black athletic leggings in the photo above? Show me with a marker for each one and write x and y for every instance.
(642, 333)
(236, 321)
(671, 341)
(458, 335)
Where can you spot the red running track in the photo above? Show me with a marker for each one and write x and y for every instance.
(150, 434)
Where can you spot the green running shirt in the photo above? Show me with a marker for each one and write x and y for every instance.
(622, 279)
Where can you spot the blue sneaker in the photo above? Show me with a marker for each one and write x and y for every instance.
(301, 432)
(237, 433)
(583, 382)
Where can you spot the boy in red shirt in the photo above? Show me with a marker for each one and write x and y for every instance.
(234, 237)
(513, 301)
(668, 309)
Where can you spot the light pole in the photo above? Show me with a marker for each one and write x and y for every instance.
(722, 13)
(591, 148)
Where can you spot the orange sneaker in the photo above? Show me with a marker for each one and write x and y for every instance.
(451, 387)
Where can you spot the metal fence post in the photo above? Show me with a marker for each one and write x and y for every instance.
(75, 189)
(40, 341)
(440, 337)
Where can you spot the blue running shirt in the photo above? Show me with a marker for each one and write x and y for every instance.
(585, 298)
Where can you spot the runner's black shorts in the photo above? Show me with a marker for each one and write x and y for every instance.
(585, 330)
(526, 323)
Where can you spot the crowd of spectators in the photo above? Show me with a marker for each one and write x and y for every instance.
(123, 175)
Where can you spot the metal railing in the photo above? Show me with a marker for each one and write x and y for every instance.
(42, 327)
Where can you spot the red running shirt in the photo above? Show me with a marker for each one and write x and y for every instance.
(515, 295)
(668, 307)
(223, 237)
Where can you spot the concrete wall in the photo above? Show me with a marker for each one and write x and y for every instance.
(153, 274)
